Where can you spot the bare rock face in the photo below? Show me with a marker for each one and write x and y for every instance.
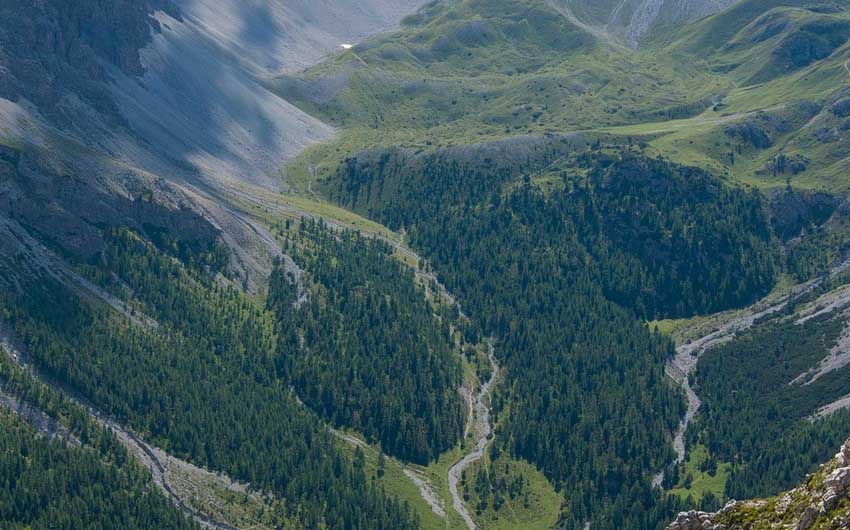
(839, 480)
(202, 97)
(50, 49)
(810, 514)
(843, 456)
(271, 37)
(694, 520)
(837, 484)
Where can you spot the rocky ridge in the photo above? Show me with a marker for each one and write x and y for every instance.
(822, 502)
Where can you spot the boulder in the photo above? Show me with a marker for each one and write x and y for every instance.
(810, 514)
(843, 455)
(839, 480)
(693, 520)
(830, 500)
(819, 499)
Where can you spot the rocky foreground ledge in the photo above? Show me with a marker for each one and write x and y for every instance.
(821, 503)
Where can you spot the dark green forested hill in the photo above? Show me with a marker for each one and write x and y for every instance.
(373, 357)
(665, 240)
(560, 266)
(205, 381)
(754, 414)
(46, 484)
(672, 241)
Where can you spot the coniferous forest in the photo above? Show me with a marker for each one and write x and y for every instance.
(561, 257)
(81, 478)
(52, 485)
(562, 271)
(372, 354)
(757, 415)
(424, 264)
(199, 372)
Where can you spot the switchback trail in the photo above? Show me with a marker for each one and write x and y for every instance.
(479, 423)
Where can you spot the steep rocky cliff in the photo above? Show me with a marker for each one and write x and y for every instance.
(61, 187)
(56, 49)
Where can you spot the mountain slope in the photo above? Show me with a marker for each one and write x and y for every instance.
(202, 98)
(272, 37)
(756, 41)
(162, 101)
(781, 119)
(186, 77)
(460, 73)
(634, 21)
(538, 153)
(472, 71)
(53, 485)
(149, 129)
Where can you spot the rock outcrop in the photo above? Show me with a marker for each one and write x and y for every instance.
(695, 520)
(821, 503)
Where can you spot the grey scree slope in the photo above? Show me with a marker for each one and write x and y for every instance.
(202, 97)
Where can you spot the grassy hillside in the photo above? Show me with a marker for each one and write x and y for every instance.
(509, 494)
(784, 120)
(755, 93)
(477, 70)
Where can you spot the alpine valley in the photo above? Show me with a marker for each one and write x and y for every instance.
(425, 265)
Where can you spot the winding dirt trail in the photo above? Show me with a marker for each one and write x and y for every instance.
(479, 422)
